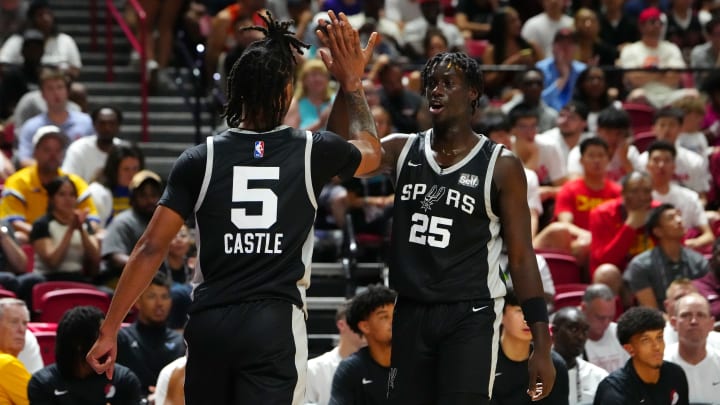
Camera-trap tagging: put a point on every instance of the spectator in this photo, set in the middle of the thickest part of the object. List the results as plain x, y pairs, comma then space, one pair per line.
474, 17
531, 85
14, 317
310, 106
362, 377
618, 230
70, 380
321, 369
110, 190
127, 227
86, 156
54, 88
650, 273
657, 89
616, 27
402, 11
542, 27
678, 289
148, 345
160, 16
32, 103
30, 355
602, 347
691, 169
18, 80
691, 135
560, 70
178, 267
570, 129
707, 54
592, 89
507, 47
25, 197
570, 331
167, 391
614, 129
645, 377
408, 110
711, 122
709, 284
415, 30
12, 17
700, 363
13, 260
661, 166
683, 27
373, 19
511, 371
60, 49
592, 49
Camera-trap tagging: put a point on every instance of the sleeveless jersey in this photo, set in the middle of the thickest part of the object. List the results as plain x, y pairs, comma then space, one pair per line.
445, 236
254, 212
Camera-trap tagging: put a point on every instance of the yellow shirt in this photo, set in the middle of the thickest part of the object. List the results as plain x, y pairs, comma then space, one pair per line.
24, 197
14, 380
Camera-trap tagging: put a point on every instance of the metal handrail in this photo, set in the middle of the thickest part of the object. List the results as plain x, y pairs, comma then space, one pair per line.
137, 44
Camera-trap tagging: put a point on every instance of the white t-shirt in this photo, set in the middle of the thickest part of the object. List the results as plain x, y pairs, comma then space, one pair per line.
30, 355
533, 191
553, 136
402, 10
590, 376
703, 378
691, 169
606, 353
161, 387
103, 199
614, 169
84, 158
320, 372
59, 50
695, 141
541, 30
550, 161
687, 202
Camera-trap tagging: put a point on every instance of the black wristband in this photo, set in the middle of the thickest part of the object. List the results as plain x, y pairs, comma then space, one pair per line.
535, 310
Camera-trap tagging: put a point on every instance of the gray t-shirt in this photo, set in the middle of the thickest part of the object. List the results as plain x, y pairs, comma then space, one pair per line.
122, 234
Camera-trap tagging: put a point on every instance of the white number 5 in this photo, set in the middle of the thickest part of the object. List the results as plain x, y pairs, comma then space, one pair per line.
241, 193
436, 235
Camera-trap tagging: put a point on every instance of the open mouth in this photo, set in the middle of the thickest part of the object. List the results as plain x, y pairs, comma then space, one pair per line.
436, 107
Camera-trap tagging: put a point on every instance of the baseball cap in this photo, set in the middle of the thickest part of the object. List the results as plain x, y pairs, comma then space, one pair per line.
49, 131
141, 177
565, 33
650, 13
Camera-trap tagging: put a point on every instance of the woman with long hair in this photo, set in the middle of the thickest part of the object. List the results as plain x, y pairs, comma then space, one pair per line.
591, 88
110, 190
310, 106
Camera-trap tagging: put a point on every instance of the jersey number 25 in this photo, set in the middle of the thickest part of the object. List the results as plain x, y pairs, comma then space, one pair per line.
432, 231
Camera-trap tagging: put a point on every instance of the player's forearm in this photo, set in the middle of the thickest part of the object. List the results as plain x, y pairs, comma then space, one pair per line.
338, 119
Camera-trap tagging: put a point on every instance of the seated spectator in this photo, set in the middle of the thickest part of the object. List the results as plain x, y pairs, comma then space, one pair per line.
511, 371
683, 27
691, 135
169, 389
408, 110
531, 86
711, 123
614, 129
592, 49
178, 267
507, 47
13, 260
321, 369
661, 166
60, 49
651, 51
707, 54
542, 27
709, 284
602, 347
570, 129
700, 363
54, 88
15, 81
148, 345
86, 156
14, 317
616, 27
362, 377
30, 355
12, 18
678, 289
109, 189
650, 273
645, 377
63, 240
474, 17
691, 169
31, 104
560, 70
592, 89
570, 331
127, 227
619, 232
70, 380
310, 106
414, 31
25, 197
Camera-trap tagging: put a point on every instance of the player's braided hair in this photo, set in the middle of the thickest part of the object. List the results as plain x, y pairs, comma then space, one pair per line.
461, 61
257, 80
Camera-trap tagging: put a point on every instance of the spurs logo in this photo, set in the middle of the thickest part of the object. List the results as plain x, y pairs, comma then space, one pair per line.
432, 197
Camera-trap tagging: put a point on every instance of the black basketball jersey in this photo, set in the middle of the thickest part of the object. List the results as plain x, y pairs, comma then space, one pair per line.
446, 236
254, 210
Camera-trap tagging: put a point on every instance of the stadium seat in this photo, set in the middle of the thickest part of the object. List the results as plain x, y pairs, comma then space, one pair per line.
42, 326
568, 299
476, 47
563, 268
53, 304
570, 287
643, 140
641, 116
43, 288
46, 341
7, 294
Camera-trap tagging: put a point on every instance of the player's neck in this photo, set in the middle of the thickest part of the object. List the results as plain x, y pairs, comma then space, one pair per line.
648, 375
515, 349
380, 353
693, 354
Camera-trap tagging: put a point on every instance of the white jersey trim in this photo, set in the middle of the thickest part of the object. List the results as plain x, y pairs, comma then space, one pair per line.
403, 155
308, 169
457, 166
499, 304
488, 182
299, 332
208, 172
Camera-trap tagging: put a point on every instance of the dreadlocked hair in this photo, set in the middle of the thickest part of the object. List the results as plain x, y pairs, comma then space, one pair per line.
462, 62
257, 80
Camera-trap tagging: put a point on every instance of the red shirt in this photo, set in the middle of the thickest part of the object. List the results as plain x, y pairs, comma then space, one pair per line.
612, 241
578, 199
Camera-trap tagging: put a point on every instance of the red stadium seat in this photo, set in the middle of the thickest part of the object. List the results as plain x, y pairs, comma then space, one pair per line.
46, 340
563, 268
43, 288
568, 299
570, 287
42, 327
641, 116
53, 304
7, 294
643, 140
476, 47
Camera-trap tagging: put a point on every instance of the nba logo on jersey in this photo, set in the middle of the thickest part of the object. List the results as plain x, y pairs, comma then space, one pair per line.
259, 150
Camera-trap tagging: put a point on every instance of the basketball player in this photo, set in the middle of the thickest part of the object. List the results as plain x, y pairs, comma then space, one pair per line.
458, 198
252, 191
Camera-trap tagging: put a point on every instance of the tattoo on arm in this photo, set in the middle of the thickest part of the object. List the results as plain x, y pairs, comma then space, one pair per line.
359, 115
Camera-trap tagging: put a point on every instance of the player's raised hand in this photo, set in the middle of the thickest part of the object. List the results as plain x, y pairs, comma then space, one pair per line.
346, 59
